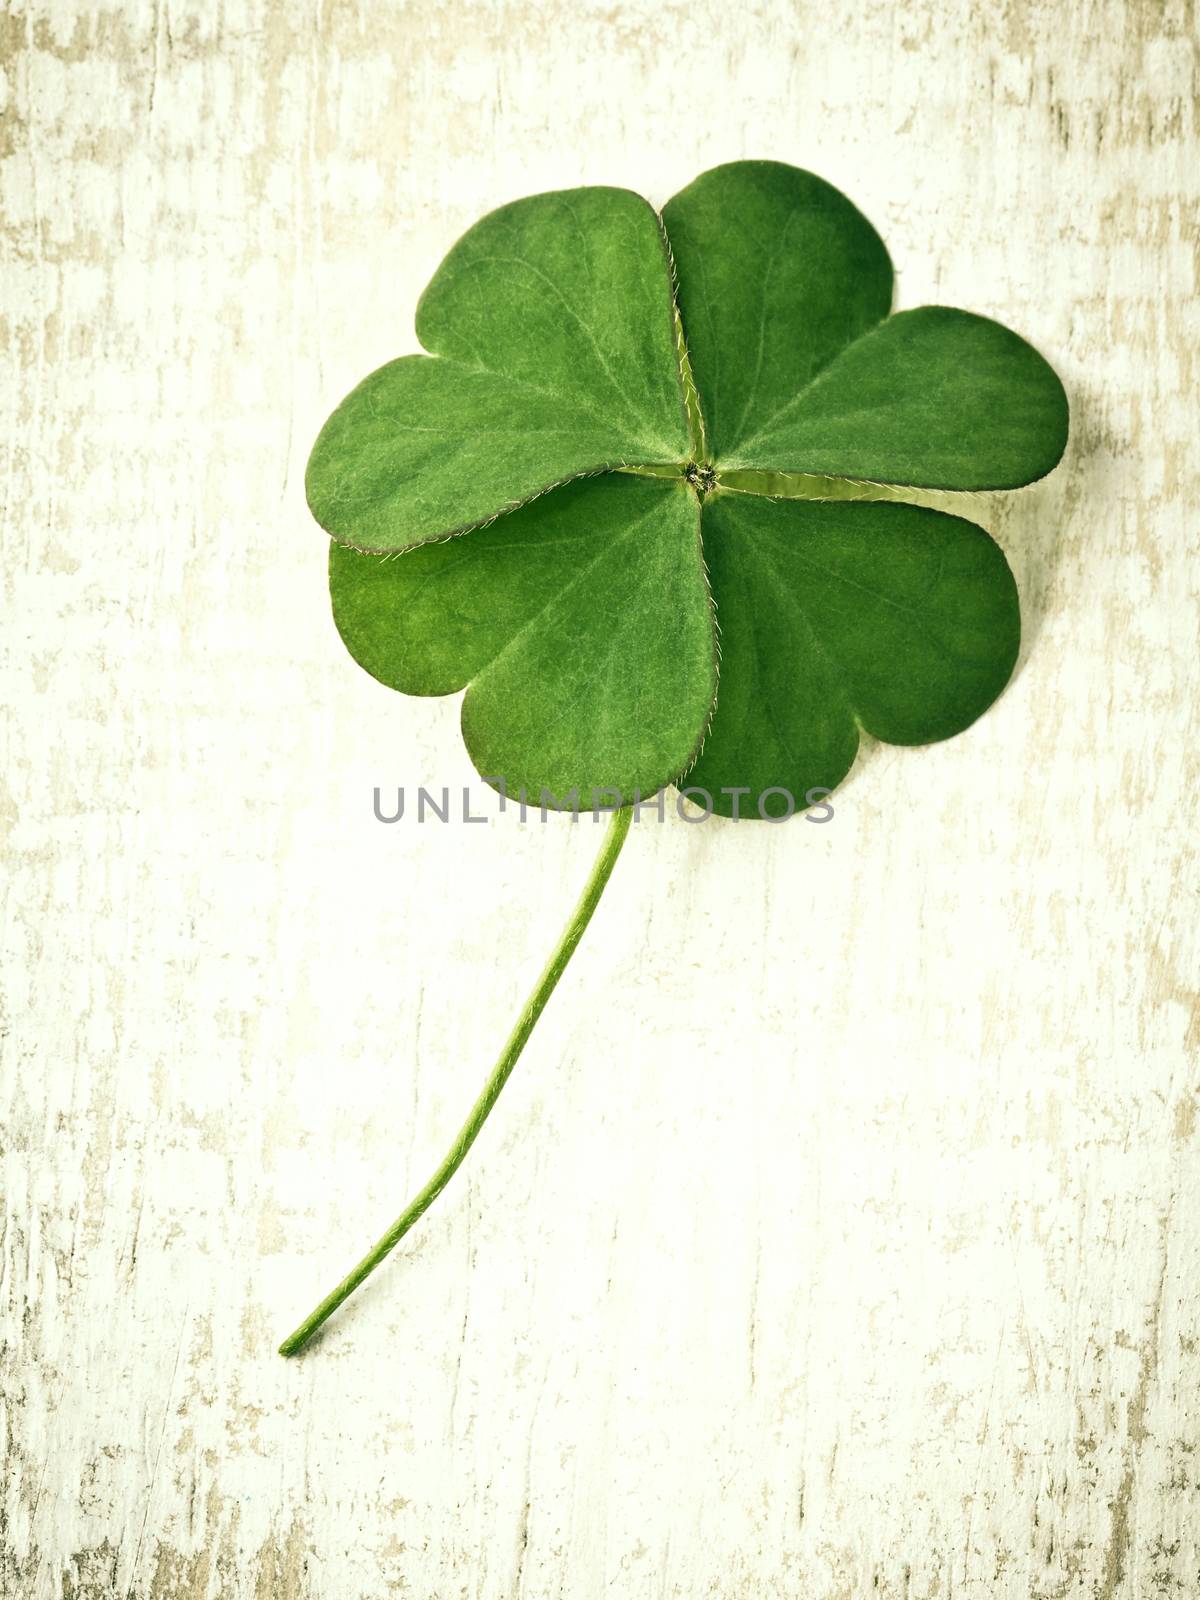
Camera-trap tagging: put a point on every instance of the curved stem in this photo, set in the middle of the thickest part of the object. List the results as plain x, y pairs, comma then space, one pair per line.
469, 1132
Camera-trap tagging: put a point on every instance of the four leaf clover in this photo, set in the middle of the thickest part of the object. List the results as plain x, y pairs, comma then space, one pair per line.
640, 501
639, 498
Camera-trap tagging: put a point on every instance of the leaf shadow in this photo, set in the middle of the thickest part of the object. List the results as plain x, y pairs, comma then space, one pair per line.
1038, 528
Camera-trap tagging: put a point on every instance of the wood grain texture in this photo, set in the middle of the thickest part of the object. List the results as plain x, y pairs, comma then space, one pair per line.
838, 1236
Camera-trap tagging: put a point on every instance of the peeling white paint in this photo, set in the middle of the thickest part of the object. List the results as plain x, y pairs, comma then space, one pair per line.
838, 1235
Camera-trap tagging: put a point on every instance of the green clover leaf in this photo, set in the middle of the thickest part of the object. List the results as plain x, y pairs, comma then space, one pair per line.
642, 501
633, 517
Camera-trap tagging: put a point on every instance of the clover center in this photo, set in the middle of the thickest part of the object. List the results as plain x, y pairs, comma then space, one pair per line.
701, 476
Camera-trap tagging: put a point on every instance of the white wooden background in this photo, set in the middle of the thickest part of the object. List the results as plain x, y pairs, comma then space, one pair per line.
838, 1236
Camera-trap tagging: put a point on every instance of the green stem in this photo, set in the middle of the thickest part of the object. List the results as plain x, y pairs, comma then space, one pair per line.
469, 1132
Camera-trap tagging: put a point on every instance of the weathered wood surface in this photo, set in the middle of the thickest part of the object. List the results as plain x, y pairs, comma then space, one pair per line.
838, 1235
